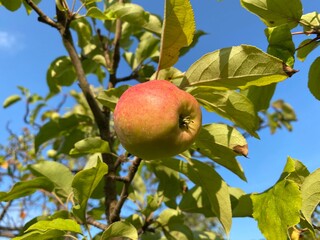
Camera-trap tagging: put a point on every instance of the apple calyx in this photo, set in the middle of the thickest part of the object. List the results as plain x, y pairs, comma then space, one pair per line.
184, 122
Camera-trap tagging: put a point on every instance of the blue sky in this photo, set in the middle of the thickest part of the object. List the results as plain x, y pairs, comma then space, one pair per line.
28, 47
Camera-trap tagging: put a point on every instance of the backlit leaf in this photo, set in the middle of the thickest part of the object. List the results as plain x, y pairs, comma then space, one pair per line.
120, 229
25, 188
310, 190
212, 184
90, 145
57, 173
310, 21
228, 104
178, 31
217, 141
236, 67
277, 209
11, 100
84, 183
314, 78
275, 12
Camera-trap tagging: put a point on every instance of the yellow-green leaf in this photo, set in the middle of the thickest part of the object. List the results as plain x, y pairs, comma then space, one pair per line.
178, 31
236, 67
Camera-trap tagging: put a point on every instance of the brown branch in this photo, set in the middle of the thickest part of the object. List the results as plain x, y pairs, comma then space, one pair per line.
96, 224
115, 216
42, 17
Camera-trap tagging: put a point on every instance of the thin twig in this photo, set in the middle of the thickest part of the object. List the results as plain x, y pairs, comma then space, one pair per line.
5, 209
96, 224
115, 216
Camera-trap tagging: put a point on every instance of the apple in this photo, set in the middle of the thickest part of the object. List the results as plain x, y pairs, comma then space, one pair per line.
156, 120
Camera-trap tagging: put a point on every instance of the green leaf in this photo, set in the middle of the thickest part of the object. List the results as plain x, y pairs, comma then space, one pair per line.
56, 224
120, 229
178, 31
177, 231
170, 215
84, 31
228, 104
169, 191
58, 126
277, 209
172, 74
39, 235
11, 5
212, 184
147, 47
196, 37
294, 170
306, 47
195, 200
83, 184
110, 97
260, 96
90, 145
281, 44
60, 73
274, 12
128, 12
217, 141
242, 206
314, 78
204, 235
310, 21
11, 100
310, 191
26, 188
95, 12
57, 173
236, 67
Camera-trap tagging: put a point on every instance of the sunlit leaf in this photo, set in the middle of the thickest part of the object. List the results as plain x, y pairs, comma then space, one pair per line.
217, 141
84, 31
27, 7
56, 224
314, 78
84, 184
90, 145
310, 21
11, 100
236, 67
294, 170
178, 31
25, 188
57, 173
120, 229
310, 190
228, 104
110, 97
275, 12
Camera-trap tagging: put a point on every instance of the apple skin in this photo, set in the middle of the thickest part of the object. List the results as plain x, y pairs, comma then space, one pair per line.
156, 120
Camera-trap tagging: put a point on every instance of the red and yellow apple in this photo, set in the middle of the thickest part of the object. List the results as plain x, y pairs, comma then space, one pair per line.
156, 119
